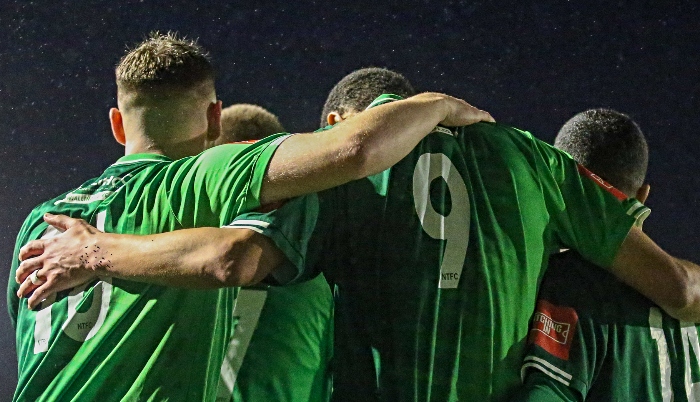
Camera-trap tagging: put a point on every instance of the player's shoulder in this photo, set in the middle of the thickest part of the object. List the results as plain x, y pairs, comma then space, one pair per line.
235, 152
505, 139
499, 130
34, 221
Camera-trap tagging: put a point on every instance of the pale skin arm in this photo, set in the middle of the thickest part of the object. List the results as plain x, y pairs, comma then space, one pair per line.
367, 144
201, 258
364, 145
212, 257
670, 282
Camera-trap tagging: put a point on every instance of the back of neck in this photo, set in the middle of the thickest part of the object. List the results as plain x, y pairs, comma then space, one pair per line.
143, 144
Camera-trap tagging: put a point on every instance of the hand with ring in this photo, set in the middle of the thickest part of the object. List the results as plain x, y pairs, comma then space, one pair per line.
34, 277
54, 264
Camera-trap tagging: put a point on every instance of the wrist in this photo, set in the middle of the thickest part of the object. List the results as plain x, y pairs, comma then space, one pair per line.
438, 102
101, 261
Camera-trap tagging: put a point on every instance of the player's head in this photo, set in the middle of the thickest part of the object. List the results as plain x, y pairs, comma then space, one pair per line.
166, 96
245, 122
610, 144
358, 89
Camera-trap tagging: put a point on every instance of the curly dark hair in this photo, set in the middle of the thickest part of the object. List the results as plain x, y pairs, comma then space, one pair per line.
608, 143
358, 89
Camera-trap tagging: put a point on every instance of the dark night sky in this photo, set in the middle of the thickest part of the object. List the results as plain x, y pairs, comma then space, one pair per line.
532, 64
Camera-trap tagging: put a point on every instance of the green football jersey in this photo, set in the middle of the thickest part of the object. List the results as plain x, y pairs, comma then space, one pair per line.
595, 338
120, 340
437, 260
282, 344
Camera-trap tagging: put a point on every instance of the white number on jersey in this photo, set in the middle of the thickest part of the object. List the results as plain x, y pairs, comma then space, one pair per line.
454, 228
249, 306
689, 333
79, 326
690, 345
657, 333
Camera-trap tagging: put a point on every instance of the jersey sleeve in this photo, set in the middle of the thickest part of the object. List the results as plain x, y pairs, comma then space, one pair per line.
562, 347
12, 286
565, 344
212, 188
297, 229
589, 215
539, 387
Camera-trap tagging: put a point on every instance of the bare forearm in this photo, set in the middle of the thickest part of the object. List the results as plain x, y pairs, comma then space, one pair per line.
363, 145
193, 258
689, 310
672, 283
384, 135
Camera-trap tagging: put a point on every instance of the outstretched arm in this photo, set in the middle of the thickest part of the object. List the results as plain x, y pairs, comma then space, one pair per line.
364, 145
672, 283
202, 258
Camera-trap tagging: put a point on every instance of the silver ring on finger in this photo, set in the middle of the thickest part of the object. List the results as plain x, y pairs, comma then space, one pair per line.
34, 277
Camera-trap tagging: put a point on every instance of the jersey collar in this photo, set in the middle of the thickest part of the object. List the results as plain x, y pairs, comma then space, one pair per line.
144, 157
382, 99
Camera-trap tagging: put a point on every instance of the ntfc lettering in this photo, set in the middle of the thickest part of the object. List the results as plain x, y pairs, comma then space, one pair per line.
85, 325
553, 328
450, 276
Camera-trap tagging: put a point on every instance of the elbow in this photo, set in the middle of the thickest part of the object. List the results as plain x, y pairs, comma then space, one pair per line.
242, 260
355, 158
232, 274
358, 157
237, 263
235, 272
684, 301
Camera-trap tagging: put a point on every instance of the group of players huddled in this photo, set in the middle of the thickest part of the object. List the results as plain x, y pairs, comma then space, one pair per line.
396, 254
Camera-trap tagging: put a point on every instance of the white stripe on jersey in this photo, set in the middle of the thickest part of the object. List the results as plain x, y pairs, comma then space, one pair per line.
279, 140
250, 222
138, 161
547, 368
640, 212
253, 228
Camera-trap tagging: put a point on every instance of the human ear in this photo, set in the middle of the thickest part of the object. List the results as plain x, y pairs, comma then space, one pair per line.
214, 121
334, 118
117, 123
643, 193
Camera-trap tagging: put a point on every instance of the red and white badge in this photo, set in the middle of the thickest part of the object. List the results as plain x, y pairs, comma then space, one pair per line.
553, 328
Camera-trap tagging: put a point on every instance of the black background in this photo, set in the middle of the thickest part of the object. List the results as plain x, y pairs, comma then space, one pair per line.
532, 64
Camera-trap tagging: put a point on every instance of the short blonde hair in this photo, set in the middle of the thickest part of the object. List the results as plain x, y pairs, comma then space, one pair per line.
164, 61
244, 122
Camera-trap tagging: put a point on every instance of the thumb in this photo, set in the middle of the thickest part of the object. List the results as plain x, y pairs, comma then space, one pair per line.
61, 222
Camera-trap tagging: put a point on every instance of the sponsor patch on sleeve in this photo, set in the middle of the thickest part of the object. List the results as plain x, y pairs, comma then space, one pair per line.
553, 328
602, 183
